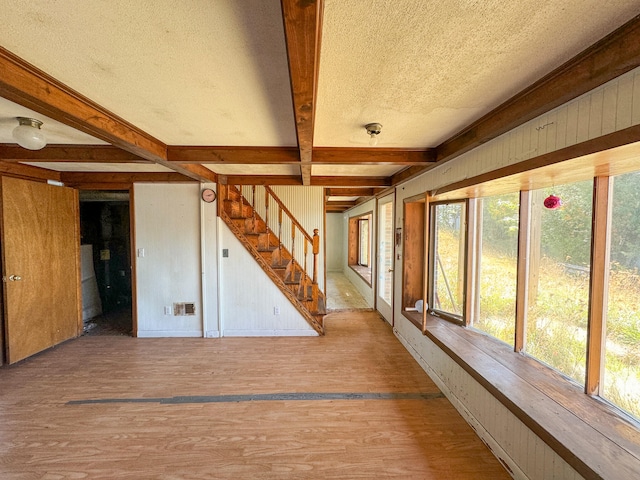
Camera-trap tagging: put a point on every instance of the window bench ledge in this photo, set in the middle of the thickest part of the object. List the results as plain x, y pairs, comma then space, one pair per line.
590, 435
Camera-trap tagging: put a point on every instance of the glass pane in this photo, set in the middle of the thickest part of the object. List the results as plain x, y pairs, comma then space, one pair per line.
449, 258
558, 295
385, 262
495, 311
364, 242
622, 348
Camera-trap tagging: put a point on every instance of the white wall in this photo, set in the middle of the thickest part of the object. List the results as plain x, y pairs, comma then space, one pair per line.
249, 296
367, 291
167, 228
183, 240
334, 240
611, 107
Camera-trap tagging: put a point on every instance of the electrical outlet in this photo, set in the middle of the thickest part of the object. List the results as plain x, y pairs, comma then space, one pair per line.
167, 310
276, 310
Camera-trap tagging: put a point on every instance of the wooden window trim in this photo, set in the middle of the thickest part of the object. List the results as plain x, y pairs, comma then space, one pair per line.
599, 282
408, 250
460, 320
353, 245
592, 436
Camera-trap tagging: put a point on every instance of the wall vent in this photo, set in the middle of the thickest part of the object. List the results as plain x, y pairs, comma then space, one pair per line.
182, 308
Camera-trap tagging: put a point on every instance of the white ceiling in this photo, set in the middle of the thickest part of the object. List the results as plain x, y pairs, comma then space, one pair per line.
197, 72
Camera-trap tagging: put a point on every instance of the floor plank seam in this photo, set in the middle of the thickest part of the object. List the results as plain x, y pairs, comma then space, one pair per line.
263, 398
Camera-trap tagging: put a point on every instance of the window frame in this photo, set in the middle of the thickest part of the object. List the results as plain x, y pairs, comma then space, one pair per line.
466, 267
353, 246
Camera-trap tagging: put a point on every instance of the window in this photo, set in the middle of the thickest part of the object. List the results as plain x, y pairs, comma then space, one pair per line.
363, 241
360, 245
448, 246
496, 263
621, 374
558, 278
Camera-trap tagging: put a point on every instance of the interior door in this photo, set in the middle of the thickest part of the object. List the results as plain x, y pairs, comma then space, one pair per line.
384, 285
40, 255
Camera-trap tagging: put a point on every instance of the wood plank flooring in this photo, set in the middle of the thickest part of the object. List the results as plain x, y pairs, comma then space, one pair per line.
49, 430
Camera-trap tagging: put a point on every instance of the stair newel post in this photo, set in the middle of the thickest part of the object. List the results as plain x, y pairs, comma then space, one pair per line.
315, 290
316, 251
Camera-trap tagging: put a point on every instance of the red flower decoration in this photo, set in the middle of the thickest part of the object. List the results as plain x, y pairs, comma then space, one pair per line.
552, 202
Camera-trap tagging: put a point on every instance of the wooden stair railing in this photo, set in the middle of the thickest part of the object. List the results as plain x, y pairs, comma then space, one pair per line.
287, 267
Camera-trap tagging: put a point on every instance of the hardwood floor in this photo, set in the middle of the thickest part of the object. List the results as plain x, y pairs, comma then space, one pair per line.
189, 409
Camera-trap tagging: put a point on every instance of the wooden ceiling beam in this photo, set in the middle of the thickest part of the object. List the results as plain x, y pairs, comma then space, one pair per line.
329, 209
233, 155
69, 153
350, 181
351, 192
263, 180
303, 28
28, 171
341, 203
26, 85
78, 179
372, 156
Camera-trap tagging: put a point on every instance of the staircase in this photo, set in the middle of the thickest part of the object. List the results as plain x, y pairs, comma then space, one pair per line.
286, 267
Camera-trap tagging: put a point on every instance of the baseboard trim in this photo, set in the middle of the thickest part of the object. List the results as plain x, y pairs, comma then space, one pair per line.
169, 333
270, 333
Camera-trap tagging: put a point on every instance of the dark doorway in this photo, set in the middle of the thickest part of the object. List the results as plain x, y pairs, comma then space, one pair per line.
106, 272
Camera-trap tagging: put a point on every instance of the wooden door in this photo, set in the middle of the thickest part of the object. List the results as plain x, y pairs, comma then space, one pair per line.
40, 266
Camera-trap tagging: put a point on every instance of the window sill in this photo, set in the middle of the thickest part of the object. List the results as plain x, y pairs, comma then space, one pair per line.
414, 317
591, 436
363, 272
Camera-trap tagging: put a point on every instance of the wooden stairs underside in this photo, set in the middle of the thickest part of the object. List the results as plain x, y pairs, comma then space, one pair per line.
300, 288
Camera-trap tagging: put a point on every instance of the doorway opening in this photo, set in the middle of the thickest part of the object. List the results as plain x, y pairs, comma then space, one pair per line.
105, 235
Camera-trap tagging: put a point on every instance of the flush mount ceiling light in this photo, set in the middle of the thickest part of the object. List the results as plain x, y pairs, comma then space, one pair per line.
373, 130
28, 134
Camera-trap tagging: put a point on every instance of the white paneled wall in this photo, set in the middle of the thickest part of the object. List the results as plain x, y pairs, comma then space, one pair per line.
334, 238
609, 108
168, 262
249, 298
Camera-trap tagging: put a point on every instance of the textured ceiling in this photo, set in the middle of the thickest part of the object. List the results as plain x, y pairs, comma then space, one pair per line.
426, 69
188, 72
196, 72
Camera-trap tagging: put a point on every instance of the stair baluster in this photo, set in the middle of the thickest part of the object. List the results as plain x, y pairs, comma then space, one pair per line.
253, 205
266, 210
279, 234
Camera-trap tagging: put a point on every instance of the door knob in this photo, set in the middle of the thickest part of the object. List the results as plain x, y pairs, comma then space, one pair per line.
15, 278
390, 270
